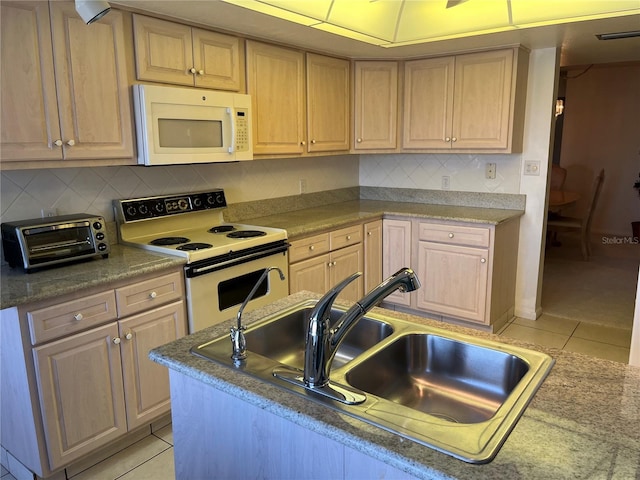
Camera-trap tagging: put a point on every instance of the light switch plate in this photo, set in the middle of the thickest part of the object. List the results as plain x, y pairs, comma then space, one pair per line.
532, 167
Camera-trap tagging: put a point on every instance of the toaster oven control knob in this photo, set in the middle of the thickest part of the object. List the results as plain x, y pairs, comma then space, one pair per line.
102, 247
100, 236
97, 225
77, 317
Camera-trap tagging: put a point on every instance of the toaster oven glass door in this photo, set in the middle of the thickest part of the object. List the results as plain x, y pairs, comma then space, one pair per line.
48, 243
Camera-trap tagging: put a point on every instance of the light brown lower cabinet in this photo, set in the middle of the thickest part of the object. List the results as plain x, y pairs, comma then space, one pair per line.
319, 262
467, 271
88, 379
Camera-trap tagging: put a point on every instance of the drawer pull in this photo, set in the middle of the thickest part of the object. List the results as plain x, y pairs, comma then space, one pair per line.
483, 260
116, 341
348, 237
128, 336
78, 316
153, 295
451, 235
311, 248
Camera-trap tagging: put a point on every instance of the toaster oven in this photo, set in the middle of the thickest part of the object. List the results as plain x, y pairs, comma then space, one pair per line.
44, 242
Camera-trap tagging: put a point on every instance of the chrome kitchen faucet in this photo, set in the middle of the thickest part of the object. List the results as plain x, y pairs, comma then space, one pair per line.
238, 340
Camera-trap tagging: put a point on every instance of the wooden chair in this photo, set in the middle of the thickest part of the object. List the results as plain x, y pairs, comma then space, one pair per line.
582, 224
558, 175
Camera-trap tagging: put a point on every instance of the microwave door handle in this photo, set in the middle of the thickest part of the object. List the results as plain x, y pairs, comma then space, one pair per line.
232, 120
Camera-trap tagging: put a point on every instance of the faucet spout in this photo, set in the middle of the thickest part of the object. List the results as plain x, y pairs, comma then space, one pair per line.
238, 340
322, 341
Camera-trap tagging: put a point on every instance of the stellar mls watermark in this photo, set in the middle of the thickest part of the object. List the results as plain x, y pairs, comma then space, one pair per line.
620, 240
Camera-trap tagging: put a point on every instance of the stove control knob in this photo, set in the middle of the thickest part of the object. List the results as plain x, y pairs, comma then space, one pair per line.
220, 199
197, 202
143, 209
158, 207
131, 211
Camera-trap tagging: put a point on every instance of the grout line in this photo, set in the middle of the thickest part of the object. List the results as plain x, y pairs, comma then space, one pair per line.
147, 460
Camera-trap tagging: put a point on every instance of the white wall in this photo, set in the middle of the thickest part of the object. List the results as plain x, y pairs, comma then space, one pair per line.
24, 193
602, 130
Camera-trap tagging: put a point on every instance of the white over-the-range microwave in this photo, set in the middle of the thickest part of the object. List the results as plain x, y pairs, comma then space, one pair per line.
176, 126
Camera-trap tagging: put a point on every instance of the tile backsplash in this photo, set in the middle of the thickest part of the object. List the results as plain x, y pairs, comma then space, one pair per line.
25, 193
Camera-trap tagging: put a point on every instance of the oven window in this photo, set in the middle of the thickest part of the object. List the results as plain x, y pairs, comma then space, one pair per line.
233, 292
181, 133
48, 244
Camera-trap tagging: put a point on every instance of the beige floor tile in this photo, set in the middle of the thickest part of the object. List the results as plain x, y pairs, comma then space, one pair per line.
165, 433
598, 349
160, 467
563, 326
603, 334
126, 460
535, 336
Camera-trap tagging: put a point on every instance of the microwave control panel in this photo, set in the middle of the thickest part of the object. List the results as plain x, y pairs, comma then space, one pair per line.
242, 129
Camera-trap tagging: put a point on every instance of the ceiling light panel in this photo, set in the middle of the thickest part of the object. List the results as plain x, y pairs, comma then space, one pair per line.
377, 19
553, 11
318, 9
431, 19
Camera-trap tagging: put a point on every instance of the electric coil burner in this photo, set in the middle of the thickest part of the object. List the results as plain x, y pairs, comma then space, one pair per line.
223, 261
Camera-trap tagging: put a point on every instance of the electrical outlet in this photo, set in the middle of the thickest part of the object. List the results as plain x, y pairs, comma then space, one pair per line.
490, 171
303, 185
48, 212
446, 182
532, 167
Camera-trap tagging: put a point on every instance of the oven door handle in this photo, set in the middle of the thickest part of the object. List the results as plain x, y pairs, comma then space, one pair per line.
192, 271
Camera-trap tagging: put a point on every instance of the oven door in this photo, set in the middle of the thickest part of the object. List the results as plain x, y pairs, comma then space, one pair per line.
215, 294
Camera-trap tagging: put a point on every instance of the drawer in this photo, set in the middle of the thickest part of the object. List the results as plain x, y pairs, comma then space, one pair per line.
71, 317
455, 234
308, 247
346, 236
148, 294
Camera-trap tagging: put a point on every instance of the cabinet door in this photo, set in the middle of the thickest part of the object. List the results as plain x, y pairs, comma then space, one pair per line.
29, 122
164, 52
91, 81
328, 104
428, 103
454, 280
311, 275
372, 254
376, 105
396, 247
482, 104
146, 383
346, 262
81, 396
275, 82
216, 59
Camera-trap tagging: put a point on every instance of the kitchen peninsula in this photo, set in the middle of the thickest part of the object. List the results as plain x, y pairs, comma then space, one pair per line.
582, 423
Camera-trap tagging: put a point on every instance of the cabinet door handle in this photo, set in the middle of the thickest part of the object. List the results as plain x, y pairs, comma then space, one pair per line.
483, 260
313, 141
451, 235
454, 139
192, 70
128, 336
77, 317
71, 142
302, 142
116, 341
368, 234
200, 72
58, 143
153, 295
447, 139
359, 140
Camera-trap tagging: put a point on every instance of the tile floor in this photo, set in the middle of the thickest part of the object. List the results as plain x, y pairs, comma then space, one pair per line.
606, 336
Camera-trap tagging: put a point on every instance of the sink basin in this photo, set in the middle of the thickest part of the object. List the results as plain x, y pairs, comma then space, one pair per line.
449, 379
458, 394
283, 338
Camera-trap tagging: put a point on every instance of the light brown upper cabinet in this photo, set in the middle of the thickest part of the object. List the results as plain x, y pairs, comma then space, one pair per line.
375, 105
275, 81
328, 108
80, 112
467, 102
170, 52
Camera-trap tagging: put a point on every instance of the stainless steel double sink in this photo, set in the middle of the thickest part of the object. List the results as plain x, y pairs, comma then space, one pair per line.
458, 394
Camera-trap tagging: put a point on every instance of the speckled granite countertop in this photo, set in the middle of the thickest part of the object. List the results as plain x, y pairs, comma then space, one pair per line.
123, 262
315, 219
582, 423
